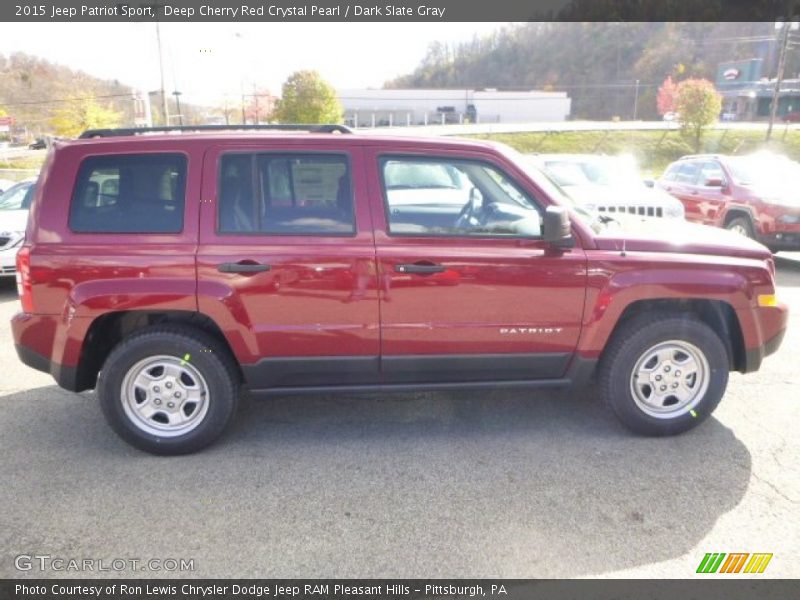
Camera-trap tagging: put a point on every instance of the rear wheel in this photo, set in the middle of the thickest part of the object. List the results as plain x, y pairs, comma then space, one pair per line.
168, 389
742, 226
664, 374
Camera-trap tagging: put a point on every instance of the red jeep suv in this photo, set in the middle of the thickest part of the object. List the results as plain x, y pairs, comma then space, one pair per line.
170, 270
755, 196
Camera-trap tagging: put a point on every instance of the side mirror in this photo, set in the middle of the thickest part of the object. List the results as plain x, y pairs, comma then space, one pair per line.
714, 182
557, 230
649, 182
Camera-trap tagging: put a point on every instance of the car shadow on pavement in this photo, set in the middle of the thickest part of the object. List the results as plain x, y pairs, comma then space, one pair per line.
8, 289
787, 271
459, 484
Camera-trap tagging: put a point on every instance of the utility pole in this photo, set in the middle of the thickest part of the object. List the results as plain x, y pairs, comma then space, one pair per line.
255, 100
161, 70
785, 28
177, 95
636, 100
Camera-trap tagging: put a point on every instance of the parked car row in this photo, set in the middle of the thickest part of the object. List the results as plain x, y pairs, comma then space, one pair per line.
752, 195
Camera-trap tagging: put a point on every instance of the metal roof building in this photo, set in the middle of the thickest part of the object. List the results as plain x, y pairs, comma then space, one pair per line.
405, 107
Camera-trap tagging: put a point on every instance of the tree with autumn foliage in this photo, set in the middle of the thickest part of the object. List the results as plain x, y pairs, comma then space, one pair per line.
666, 96
698, 105
307, 98
81, 114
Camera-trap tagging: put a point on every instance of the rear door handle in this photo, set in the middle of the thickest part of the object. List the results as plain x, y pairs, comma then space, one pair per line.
242, 267
419, 268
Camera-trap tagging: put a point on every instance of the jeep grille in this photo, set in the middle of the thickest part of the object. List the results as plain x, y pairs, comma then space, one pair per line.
643, 211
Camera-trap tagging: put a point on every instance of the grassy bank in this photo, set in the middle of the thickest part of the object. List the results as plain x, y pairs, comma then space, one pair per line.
17, 169
653, 150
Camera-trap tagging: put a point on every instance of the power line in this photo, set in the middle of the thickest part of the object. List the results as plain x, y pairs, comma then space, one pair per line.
60, 100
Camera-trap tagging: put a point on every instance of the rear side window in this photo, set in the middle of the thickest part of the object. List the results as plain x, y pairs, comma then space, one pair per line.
134, 193
285, 194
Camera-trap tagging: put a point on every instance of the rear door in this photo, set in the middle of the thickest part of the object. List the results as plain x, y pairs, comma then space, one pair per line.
469, 291
286, 262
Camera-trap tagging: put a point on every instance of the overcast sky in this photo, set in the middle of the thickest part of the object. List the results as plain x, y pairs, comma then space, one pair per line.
205, 60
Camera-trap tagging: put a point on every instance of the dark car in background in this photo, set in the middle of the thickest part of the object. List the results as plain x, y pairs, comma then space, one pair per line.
755, 195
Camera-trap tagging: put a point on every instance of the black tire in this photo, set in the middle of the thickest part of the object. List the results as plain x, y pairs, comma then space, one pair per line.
631, 342
741, 224
195, 350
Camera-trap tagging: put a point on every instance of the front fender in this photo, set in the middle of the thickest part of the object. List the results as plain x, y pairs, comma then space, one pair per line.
612, 290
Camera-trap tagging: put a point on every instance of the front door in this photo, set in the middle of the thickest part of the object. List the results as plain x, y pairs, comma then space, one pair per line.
712, 197
469, 291
286, 263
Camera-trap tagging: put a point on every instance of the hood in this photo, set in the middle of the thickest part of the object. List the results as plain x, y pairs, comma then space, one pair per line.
594, 196
13, 220
641, 234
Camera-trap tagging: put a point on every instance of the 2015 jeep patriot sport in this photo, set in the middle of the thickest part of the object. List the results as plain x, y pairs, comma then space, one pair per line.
167, 271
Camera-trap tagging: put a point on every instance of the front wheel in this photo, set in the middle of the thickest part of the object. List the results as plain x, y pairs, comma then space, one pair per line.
664, 374
742, 226
168, 389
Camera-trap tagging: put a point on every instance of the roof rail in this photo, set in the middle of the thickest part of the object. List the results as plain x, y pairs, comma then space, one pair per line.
94, 133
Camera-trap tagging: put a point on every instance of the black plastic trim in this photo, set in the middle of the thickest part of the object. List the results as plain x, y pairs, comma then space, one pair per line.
754, 356
434, 368
415, 387
66, 377
312, 371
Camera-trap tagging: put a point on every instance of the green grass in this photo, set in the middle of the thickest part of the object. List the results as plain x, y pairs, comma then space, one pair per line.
29, 162
653, 150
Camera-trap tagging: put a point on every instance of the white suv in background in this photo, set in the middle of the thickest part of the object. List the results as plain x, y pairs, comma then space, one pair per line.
607, 184
14, 205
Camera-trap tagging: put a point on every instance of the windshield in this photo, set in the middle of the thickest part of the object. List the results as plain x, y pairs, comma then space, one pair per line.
613, 172
17, 198
420, 175
551, 187
763, 171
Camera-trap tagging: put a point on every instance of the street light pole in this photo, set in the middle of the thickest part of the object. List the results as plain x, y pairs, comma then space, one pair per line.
636, 100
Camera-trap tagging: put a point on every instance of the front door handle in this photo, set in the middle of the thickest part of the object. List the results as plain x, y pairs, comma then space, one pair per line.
242, 267
423, 269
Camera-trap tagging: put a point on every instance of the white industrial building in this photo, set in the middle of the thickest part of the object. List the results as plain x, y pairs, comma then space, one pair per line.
390, 107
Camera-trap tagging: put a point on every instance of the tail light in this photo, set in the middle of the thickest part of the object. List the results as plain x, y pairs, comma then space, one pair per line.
24, 284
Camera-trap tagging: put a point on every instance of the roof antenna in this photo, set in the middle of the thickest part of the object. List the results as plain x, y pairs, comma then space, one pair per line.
623, 253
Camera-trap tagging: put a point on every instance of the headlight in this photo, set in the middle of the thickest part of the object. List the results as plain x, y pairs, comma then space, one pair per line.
675, 211
16, 239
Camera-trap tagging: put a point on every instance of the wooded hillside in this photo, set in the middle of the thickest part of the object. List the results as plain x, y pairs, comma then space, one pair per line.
596, 63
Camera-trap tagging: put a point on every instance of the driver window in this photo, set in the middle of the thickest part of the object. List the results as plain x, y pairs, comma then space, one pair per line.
451, 197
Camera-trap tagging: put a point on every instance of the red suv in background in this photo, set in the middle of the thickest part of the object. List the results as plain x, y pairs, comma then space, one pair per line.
756, 196
170, 271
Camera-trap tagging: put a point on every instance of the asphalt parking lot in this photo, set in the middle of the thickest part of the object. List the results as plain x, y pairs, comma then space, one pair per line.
499, 484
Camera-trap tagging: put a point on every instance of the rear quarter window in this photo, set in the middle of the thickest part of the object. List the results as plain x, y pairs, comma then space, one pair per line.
133, 193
